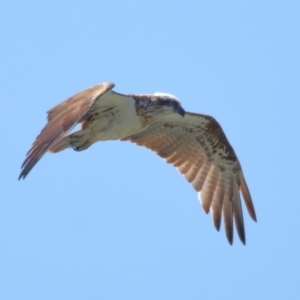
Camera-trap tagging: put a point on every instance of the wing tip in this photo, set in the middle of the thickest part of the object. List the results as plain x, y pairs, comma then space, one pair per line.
22, 176
217, 222
229, 237
247, 198
54, 131
230, 241
242, 237
26, 168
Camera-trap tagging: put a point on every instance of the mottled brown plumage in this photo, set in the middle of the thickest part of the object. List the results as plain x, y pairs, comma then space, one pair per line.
195, 144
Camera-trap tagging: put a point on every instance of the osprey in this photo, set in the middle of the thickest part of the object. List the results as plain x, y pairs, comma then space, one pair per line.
194, 143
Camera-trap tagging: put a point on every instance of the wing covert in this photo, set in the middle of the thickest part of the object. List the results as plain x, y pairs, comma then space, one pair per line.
198, 147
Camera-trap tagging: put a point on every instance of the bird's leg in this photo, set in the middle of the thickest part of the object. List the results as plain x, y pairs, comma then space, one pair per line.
78, 146
81, 140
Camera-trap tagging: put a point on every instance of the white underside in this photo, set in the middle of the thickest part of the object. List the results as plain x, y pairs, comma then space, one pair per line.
116, 119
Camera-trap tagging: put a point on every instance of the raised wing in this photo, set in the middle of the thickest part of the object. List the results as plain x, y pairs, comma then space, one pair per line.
198, 147
61, 119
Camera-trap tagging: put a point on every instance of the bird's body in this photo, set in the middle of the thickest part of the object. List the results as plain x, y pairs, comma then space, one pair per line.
113, 119
194, 143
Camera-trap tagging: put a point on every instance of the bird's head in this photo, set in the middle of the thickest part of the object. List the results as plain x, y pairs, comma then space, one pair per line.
166, 104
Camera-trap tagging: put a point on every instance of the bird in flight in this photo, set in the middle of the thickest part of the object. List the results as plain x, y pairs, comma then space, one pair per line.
194, 143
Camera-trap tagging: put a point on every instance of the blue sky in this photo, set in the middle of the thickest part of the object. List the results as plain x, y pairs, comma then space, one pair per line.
116, 221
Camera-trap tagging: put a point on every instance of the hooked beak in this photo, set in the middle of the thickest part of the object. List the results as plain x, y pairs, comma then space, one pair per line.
180, 111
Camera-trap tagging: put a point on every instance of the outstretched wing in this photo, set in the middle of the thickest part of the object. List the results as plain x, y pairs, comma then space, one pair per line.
61, 119
198, 147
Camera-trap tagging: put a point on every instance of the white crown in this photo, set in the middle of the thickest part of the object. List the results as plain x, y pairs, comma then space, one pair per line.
166, 96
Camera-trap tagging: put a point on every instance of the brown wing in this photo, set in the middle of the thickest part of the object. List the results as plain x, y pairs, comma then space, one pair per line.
61, 119
198, 147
